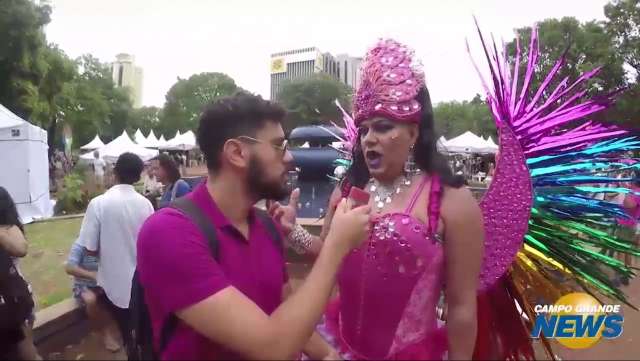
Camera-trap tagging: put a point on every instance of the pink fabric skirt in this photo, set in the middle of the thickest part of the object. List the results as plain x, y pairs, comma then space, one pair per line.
432, 347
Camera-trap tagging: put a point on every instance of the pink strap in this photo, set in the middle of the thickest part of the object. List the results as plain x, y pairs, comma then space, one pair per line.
416, 194
434, 204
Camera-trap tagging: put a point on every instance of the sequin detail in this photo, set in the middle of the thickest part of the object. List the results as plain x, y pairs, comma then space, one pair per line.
505, 209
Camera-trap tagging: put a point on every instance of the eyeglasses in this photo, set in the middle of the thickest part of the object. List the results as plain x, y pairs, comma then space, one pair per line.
284, 147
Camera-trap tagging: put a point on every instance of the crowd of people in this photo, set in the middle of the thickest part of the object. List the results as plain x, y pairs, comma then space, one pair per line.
473, 167
208, 267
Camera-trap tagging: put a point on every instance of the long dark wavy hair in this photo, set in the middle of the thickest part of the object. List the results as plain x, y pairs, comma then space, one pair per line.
8, 212
425, 153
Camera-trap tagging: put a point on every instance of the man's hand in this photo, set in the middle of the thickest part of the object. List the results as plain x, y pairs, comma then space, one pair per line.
285, 215
332, 356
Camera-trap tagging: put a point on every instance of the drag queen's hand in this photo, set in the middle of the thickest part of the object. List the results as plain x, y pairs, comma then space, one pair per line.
285, 215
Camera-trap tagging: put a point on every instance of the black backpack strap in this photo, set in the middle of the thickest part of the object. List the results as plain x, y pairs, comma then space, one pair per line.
195, 214
168, 328
268, 222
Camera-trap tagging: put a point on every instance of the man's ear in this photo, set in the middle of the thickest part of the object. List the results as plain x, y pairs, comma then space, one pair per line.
235, 154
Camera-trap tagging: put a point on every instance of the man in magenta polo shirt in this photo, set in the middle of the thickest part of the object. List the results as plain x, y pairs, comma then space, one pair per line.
233, 308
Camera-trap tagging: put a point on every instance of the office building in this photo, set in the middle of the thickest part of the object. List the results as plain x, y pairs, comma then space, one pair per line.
349, 70
299, 64
127, 75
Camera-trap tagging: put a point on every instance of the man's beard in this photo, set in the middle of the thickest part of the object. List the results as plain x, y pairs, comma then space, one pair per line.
260, 186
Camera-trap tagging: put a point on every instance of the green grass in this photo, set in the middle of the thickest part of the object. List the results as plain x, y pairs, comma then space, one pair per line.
43, 267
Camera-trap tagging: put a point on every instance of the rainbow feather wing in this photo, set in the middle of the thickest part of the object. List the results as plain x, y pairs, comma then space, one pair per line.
562, 155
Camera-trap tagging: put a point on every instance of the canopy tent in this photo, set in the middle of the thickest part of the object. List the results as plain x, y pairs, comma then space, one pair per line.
441, 144
152, 141
139, 138
122, 144
162, 142
171, 143
492, 147
186, 141
25, 166
468, 143
94, 144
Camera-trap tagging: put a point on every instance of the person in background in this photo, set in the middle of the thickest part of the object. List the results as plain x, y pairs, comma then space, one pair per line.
83, 267
109, 229
166, 172
183, 163
98, 169
16, 336
151, 187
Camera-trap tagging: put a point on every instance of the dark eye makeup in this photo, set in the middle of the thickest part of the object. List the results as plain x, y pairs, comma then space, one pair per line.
380, 127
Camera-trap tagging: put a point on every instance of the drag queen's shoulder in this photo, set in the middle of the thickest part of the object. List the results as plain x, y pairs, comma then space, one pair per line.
459, 204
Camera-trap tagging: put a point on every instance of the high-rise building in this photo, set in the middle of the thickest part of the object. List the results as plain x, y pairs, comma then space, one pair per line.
349, 69
298, 64
127, 75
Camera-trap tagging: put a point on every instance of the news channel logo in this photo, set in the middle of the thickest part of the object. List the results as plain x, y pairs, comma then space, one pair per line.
578, 321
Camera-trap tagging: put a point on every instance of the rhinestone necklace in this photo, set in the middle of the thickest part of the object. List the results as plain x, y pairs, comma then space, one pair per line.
383, 195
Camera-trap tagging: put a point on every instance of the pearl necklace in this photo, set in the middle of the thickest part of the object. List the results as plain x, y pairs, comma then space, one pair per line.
383, 195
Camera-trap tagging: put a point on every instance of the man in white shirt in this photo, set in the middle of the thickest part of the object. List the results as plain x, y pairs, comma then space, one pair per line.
98, 169
110, 229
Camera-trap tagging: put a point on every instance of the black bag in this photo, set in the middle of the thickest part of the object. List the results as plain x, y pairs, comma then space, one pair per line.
16, 303
142, 346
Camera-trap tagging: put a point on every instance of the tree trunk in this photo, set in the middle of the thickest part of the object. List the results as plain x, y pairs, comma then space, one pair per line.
51, 135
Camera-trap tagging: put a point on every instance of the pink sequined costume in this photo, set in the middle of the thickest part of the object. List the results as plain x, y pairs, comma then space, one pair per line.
390, 286
550, 156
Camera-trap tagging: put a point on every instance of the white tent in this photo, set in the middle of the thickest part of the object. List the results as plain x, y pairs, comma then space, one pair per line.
186, 141
173, 142
441, 144
491, 147
152, 141
25, 166
162, 142
466, 143
139, 138
122, 144
94, 144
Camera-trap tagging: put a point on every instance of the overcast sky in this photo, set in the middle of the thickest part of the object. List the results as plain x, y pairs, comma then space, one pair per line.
171, 38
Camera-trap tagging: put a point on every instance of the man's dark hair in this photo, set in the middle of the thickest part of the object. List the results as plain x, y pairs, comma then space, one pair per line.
170, 167
128, 168
231, 117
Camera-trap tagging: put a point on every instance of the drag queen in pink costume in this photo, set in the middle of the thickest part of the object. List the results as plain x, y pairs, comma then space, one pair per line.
539, 217
427, 236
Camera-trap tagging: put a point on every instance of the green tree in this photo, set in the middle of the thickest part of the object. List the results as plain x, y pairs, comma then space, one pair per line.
454, 118
59, 71
187, 98
312, 100
145, 119
22, 48
623, 23
92, 104
588, 45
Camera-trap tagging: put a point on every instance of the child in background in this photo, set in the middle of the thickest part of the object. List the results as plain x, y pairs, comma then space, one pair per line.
83, 268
